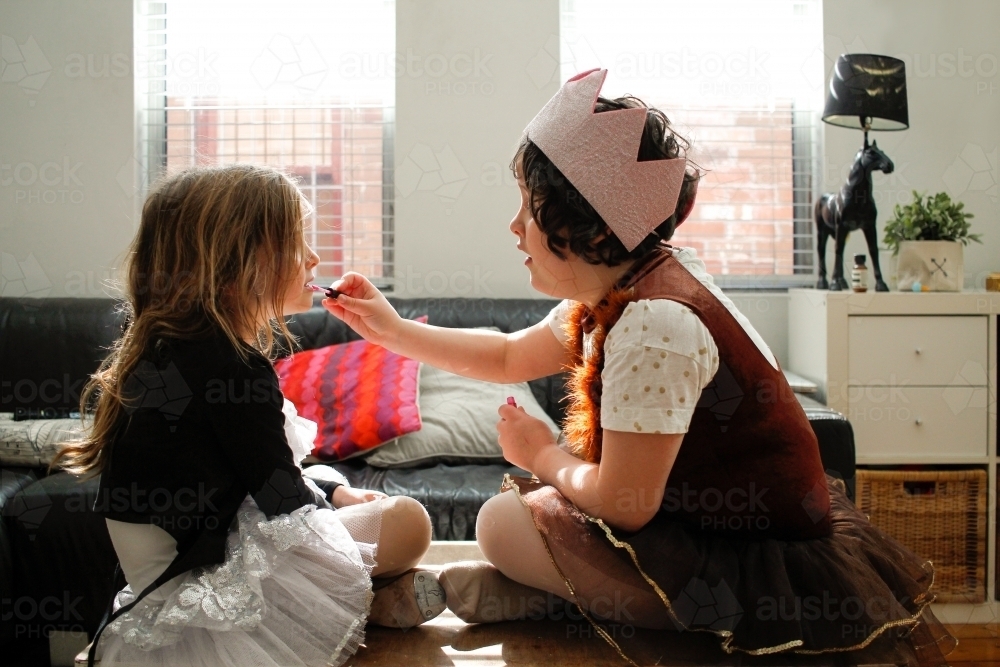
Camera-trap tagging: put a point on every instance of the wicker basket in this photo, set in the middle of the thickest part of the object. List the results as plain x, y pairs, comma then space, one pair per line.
940, 515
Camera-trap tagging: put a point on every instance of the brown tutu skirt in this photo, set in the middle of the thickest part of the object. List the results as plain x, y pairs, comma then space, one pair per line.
854, 597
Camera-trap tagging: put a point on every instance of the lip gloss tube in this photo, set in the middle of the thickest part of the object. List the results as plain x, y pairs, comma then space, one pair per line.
330, 292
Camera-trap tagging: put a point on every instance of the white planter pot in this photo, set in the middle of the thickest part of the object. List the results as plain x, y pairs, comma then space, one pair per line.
937, 265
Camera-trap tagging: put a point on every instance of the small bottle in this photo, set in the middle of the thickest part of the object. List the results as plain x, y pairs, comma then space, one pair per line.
859, 274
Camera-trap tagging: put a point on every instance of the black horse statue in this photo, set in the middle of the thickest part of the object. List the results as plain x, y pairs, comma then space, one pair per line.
851, 209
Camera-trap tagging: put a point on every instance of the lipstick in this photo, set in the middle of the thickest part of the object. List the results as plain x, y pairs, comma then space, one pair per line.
330, 292
511, 401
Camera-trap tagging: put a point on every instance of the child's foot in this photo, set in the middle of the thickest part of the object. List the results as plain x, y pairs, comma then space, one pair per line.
406, 601
477, 592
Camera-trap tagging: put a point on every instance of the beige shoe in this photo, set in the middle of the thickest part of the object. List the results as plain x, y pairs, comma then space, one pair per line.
477, 592
407, 601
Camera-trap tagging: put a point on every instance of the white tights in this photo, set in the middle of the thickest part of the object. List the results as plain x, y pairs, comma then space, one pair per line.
398, 524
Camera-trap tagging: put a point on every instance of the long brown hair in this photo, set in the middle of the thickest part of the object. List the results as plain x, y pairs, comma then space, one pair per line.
216, 250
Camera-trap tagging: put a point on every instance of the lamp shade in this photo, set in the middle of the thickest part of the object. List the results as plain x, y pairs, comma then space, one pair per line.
865, 85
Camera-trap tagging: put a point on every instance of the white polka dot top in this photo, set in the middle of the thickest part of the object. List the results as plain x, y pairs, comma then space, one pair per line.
657, 359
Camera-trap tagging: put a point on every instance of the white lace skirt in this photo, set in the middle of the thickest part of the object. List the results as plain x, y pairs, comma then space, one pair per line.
295, 590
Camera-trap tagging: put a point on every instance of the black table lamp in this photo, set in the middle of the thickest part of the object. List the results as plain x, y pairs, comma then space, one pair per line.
867, 92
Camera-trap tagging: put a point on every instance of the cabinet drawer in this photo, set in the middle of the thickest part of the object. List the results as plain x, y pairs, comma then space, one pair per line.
917, 350
910, 422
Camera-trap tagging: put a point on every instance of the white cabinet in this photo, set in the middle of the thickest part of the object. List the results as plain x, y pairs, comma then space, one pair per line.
910, 424
925, 350
916, 375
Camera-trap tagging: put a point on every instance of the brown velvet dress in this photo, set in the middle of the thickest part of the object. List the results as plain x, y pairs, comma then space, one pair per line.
754, 541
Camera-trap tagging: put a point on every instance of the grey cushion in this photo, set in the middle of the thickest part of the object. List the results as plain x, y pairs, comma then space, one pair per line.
33, 442
459, 422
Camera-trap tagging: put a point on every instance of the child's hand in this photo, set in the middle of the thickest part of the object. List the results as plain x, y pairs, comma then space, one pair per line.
522, 436
345, 495
363, 308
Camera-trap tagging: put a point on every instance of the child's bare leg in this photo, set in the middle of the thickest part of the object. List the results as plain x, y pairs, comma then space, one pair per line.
518, 582
508, 538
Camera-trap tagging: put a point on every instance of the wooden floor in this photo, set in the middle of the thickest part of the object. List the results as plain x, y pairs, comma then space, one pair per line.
448, 641
977, 644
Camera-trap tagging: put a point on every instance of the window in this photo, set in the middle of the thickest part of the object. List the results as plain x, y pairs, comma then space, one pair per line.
743, 82
303, 85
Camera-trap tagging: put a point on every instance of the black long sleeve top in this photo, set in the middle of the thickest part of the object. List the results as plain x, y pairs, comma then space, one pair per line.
205, 429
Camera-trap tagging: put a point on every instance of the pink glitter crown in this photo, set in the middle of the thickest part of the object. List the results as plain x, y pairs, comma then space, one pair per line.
598, 153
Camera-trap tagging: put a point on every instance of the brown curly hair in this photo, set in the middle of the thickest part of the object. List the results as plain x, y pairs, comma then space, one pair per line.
569, 221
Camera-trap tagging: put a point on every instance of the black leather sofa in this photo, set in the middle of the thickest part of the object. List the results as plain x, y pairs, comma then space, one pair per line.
56, 558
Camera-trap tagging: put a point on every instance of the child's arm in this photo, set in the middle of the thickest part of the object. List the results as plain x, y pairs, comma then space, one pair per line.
625, 489
476, 353
336, 487
493, 356
345, 495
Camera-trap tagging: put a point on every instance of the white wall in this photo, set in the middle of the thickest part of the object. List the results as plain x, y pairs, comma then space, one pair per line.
768, 313
952, 54
64, 217
457, 126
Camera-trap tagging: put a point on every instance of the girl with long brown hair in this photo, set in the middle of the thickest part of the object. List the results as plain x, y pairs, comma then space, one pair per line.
233, 554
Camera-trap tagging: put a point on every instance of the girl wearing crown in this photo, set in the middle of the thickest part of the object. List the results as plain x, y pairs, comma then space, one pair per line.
688, 493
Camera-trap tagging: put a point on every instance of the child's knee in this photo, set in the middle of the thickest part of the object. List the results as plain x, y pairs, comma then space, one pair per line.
493, 525
404, 515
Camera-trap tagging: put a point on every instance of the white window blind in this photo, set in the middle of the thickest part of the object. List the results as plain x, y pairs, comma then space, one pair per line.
742, 80
303, 85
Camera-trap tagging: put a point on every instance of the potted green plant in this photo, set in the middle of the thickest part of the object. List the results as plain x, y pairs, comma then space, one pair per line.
928, 235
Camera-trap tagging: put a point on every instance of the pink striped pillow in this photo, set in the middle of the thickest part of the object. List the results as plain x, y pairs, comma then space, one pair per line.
360, 395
